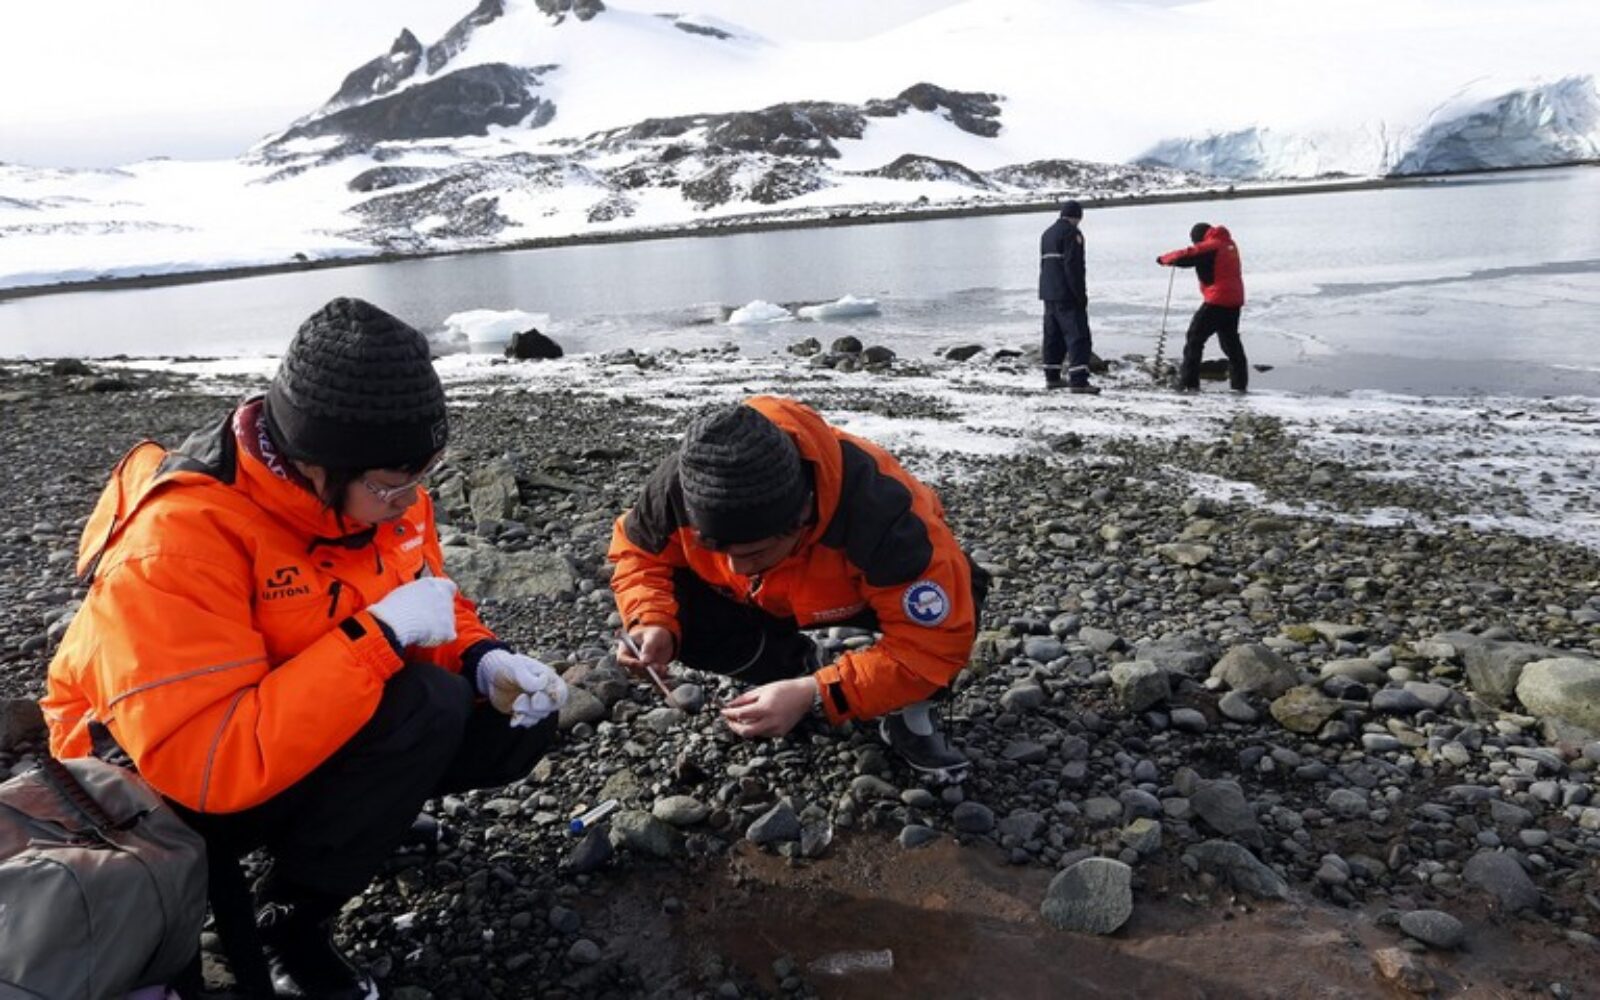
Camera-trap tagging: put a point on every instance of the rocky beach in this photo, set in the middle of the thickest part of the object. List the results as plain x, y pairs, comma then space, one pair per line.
1274, 695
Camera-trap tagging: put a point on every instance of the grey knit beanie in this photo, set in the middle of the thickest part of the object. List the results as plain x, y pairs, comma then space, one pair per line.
741, 475
357, 390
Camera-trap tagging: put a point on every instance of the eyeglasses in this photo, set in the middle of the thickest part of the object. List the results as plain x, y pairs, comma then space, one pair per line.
388, 494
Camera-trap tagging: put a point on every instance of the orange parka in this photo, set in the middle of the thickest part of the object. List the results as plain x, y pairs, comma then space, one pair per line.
223, 642
880, 544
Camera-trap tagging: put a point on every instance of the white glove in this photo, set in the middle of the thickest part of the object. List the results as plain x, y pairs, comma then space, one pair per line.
520, 686
420, 613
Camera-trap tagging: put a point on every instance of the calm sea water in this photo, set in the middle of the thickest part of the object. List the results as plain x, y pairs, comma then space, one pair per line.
1488, 284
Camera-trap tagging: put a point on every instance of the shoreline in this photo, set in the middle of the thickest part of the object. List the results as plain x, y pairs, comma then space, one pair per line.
837, 216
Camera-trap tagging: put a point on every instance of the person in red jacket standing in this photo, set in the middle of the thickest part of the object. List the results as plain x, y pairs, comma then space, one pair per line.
1215, 259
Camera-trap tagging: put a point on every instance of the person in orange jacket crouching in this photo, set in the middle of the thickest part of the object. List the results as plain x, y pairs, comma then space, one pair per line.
768, 520
270, 636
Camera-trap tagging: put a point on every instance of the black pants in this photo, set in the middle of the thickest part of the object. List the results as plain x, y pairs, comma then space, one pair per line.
1224, 322
1066, 337
330, 833
723, 636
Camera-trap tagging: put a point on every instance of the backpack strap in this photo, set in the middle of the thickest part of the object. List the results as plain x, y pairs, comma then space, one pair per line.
66, 785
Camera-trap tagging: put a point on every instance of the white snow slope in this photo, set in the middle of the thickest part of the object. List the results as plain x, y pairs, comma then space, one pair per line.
1269, 88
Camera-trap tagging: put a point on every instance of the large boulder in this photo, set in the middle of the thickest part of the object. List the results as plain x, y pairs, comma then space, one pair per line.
1094, 896
1187, 554
1566, 688
1255, 669
1237, 867
492, 491
1140, 685
1178, 654
1495, 665
482, 571
1224, 808
531, 345
582, 707
1304, 710
1499, 875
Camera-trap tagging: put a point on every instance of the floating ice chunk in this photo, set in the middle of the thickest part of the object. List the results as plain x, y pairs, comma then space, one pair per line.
759, 311
847, 307
490, 329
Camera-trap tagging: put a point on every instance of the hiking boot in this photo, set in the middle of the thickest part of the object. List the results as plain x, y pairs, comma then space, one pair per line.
926, 752
1084, 390
303, 960
1054, 383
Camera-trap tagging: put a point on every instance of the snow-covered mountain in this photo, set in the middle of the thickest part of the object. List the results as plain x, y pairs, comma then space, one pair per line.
543, 118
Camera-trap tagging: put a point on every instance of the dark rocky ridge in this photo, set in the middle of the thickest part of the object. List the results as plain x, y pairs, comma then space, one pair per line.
451, 195
381, 75
386, 72
762, 158
465, 102
914, 167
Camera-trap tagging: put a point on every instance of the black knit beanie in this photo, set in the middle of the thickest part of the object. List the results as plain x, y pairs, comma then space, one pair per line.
742, 477
1197, 232
356, 390
1071, 210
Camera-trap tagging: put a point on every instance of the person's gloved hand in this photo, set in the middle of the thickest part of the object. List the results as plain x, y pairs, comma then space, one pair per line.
520, 686
420, 613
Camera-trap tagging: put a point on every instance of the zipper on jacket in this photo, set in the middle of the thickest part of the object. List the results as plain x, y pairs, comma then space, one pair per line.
333, 597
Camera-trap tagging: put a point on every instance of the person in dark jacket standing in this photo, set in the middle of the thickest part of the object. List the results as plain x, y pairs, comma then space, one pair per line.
1215, 259
1066, 303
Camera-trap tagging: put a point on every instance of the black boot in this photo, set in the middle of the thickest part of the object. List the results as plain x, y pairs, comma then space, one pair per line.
304, 961
916, 734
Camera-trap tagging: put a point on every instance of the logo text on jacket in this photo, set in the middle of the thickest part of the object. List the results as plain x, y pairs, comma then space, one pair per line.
284, 582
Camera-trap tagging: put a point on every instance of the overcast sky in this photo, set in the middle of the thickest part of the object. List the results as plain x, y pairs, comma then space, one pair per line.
102, 82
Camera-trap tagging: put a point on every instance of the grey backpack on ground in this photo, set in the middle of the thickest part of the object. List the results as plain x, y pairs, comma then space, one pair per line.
102, 887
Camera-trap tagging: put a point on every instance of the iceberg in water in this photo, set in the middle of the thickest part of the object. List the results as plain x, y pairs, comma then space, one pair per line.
491, 329
757, 312
847, 307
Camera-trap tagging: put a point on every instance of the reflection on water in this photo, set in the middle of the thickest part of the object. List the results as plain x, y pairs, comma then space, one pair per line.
1486, 284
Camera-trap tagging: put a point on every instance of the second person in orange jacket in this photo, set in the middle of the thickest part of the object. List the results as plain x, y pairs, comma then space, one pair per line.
768, 520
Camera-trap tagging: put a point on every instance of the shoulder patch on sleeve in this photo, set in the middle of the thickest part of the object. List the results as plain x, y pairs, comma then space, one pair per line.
1079, 238
926, 603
